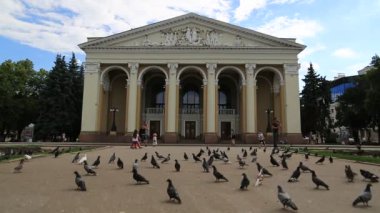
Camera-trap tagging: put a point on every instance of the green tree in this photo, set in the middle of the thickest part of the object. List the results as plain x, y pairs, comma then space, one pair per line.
20, 87
351, 111
60, 99
372, 101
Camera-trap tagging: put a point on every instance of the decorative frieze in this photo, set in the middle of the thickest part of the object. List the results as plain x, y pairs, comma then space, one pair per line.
91, 68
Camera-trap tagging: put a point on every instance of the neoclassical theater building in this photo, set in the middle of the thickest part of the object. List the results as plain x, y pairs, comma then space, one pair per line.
190, 78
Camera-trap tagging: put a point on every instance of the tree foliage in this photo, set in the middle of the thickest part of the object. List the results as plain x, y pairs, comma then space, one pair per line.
315, 104
372, 101
61, 100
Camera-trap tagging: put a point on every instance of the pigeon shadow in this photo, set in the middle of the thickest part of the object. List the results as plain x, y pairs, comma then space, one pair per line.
171, 202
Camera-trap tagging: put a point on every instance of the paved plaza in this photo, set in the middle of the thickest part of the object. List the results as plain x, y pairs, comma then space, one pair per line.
47, 184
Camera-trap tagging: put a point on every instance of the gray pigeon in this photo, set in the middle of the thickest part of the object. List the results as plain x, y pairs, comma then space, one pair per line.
177, 166
263, 170
154, 162
244, 182
349, 173
285, 199
318, 181
76, 158
19, 166
321, 160
166, 159
88, 169
364, 197
296, 174
80, 182
139, 178
218, 175
120, 163
172, 192
112, 158
205, 165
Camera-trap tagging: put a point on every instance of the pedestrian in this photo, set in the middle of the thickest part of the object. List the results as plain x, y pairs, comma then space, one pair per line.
135, 140
275, 129
154, 139
232, 137
261, 139
144, 133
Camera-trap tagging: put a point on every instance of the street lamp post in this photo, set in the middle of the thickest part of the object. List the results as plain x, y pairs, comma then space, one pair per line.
113, 110
269, 126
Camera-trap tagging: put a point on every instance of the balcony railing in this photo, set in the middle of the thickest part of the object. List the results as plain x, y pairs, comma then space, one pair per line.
227, 111
154, 110
191, 111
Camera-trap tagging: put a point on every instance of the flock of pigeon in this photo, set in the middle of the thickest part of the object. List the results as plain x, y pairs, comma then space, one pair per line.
218, 155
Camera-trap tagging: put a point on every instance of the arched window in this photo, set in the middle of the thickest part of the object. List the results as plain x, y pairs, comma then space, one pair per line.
222, 100
160, 100
191, 99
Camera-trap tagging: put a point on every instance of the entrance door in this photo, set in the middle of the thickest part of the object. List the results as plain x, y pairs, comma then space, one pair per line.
190, 129
225, 128
154, 128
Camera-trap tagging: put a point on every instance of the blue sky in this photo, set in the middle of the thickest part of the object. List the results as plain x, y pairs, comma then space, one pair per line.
341, 35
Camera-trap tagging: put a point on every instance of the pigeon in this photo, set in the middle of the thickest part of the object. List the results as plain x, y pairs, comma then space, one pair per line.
120, 163
331, 159
154, 163
254, 158
185, 156
196, 159
84, 158
96, 162
143, 159
303, 167
368, 175
283, 163
245, 154
349, 173
159, 156
177, 166
135, 165
76, 158
263, 170
55, 149
364, 197
19, 166
260, 178
307, 156
318, 181
200, 153
218, 175
273, 161
296, 174
166, 159
254, 152
139, 178
321, 160
56, 153
265, 149
88, 169
209, 152
238, 158
228, 148
112, 158
27, 157
205, 165
80, 182
172, 192
285, 199
242, 163
210, 161
244, 182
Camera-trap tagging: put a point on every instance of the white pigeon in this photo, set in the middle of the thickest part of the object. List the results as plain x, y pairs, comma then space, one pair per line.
260, 178
27, 157
84, 158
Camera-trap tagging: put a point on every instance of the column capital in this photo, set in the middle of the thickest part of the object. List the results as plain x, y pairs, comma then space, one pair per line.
211, 68
291, 69
172, 69
133, 67
250, 72
250, 68
91, 67
106, 82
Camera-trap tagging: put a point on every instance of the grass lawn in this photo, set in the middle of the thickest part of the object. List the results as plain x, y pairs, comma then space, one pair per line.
347, 156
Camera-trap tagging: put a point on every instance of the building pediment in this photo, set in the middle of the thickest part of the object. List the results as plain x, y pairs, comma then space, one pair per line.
190, 30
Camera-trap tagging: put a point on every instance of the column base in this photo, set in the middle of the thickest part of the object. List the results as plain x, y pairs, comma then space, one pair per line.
170, 137
103, 137
211, 138
292, 138
113, 133
249, 138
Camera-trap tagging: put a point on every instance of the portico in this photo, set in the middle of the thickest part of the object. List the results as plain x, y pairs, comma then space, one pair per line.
190, 78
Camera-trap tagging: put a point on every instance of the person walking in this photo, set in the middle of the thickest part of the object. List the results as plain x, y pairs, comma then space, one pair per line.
261, 139
155, 139
275, 129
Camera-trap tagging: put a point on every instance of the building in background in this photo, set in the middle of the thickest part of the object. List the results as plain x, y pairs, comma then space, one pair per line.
190, 78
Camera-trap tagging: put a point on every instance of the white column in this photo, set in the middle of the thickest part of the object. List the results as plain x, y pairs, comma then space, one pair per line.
132, 98
250, 97
90, 97
292, 101
172, 99
211, 90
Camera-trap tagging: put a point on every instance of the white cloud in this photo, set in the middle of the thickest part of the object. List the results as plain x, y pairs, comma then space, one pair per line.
246, 7
310, 50
345, 53
291, 28
60, 25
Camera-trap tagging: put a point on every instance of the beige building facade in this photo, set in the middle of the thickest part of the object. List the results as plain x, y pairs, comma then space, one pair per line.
190, 78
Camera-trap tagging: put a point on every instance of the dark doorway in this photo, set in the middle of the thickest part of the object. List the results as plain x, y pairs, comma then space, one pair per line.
190, 129
155, 128
226, 130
